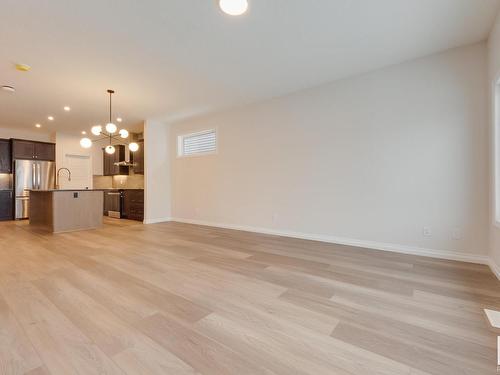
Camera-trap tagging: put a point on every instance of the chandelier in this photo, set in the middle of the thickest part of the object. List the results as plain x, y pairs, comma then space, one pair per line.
109, 133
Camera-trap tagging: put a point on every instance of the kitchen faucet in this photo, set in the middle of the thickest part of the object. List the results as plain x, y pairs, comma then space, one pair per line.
57, 176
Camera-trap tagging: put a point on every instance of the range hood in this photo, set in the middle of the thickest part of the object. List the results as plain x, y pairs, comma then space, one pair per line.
125, 164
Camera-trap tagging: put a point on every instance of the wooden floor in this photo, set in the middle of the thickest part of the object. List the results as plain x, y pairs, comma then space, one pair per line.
180, 299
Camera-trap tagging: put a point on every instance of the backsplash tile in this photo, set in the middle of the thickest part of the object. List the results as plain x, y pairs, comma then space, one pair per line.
128, 182
119, 182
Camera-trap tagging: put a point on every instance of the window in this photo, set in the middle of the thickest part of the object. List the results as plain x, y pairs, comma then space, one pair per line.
200, 143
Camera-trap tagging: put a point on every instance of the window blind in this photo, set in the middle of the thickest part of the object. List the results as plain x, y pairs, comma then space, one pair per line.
198, 143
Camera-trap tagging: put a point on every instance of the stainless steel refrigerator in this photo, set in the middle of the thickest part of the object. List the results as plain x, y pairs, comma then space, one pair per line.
30, 174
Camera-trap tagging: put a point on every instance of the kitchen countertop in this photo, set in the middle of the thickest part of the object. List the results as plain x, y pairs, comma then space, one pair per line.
57, 190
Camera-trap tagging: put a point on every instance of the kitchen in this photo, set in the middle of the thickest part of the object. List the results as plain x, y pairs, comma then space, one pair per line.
29, 168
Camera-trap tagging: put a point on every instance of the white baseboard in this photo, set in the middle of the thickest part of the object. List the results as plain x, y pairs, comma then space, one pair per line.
158, 220
395, 248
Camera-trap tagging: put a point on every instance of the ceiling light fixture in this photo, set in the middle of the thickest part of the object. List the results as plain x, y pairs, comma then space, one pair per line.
8, 89
111, 128
234, 7
38, 126
119, 119
50, 118
96, 130
133, 147
84, 132
86, 143
110, 149
67, 109
109, 133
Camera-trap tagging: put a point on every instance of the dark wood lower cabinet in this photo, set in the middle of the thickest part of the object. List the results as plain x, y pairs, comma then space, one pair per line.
133, 204
6, 203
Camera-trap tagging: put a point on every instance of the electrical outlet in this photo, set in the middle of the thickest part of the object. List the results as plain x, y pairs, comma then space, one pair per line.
456, 233
427, 231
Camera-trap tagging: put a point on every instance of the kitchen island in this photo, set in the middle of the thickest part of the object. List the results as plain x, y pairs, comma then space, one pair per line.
59, 211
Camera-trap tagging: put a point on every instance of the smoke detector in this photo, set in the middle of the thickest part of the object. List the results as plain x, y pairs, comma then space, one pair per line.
8, 88
23, 67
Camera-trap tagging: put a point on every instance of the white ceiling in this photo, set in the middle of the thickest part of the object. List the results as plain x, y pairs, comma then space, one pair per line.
171, 59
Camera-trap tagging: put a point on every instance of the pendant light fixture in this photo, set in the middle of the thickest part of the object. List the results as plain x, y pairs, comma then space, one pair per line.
109, 133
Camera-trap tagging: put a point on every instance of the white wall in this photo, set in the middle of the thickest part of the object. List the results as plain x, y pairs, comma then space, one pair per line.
368, 160
69, 154
493, 77
157, 182
35, 135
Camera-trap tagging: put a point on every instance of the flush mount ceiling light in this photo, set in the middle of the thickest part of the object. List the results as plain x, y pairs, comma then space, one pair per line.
50, 118
109, 134
234, 7
38, 126
67, 109
8, 89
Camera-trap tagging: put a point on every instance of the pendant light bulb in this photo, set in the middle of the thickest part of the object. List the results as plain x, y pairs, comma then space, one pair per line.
110, 150
96, 130
85, 143
123, 133
133, 147
111, 128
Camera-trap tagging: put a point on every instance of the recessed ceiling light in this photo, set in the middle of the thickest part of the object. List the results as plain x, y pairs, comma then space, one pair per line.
84, 132
23, 67
119, 119
234, 7
67, 109
38, 125
8, 88
50, 118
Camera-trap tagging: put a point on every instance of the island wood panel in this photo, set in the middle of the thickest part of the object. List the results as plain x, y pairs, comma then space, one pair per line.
77, 213
64, 211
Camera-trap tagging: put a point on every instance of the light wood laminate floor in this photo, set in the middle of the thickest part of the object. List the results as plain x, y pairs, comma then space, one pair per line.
180, 299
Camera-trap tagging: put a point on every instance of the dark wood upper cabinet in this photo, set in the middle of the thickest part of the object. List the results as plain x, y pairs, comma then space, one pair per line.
5, 156
22, 149
138, 158
45, 151
6, 201
109, 160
